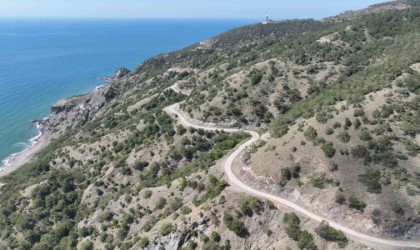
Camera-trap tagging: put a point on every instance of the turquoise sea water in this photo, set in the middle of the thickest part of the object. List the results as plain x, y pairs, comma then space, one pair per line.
42, 61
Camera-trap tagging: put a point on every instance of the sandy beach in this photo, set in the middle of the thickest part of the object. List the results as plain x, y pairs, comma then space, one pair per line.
15, 161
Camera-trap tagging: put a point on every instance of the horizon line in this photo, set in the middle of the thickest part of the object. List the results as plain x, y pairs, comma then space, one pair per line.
152, 18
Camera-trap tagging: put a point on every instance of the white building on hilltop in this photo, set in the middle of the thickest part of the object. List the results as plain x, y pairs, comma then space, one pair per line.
267, 20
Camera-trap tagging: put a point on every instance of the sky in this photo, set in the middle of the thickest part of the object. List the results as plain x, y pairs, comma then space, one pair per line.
218, 9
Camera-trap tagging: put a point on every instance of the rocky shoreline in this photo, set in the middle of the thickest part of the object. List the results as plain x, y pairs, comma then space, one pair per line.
65, 115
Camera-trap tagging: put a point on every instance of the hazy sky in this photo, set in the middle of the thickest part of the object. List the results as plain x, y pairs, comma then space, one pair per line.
277, 9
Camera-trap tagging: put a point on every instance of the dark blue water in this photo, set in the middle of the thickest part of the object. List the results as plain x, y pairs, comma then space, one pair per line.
42, 61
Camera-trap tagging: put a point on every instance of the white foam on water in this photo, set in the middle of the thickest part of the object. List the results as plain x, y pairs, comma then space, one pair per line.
32, 142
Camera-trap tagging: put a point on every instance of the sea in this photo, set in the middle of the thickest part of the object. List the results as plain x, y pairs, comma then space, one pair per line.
45, 60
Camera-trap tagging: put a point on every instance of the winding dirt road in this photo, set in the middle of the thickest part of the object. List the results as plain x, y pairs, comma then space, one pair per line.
234, 181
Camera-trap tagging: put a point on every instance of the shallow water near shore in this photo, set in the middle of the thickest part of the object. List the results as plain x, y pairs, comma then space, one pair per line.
42, 61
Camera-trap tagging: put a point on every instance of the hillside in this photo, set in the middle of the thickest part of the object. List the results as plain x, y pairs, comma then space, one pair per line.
336, 107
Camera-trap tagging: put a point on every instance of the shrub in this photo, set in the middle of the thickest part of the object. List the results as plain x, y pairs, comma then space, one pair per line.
144, 242
319, 180
161, 203
321, 117
347, 122
356, 204
329, 131
286, 175
87, 245
234, 224
251, 205
343, 136
185, 210
359, 151
333, 166
371, 179
255, 76
296, 171
166, 229
105, 216
310, 133
329, 150
331, 234
292, 222
306, 241
304, 238
376, 216
357, 123
336, 125
140, 165
359, 113
175, 204
340, 198
147, 194
365, 136
215, 236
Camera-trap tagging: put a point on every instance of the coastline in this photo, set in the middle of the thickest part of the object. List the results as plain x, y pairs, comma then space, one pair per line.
16, 160
38, 142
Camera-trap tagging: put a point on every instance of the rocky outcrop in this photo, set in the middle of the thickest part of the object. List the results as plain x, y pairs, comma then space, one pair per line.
69, 113
119, 74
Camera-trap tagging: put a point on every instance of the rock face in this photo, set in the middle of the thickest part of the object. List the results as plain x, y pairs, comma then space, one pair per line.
69, 113
120, 73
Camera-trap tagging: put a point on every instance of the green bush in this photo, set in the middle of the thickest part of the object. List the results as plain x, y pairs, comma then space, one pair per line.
365, 136
292, 222
105, 216
319, 180
357, 123
371, 178
311, 133
140, 165
87, 245
147, 194
255, 76
160, 203
306, 241
215, 236
359, 151
329, 150
304, 238
234, 224
359, 113
356, 204
331, 234
251, 206
144, 242
186, 210
340, 198
286, 174
166, 229
329, 131
343, 136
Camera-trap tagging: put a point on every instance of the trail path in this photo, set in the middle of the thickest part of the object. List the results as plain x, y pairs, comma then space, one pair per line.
234, 181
